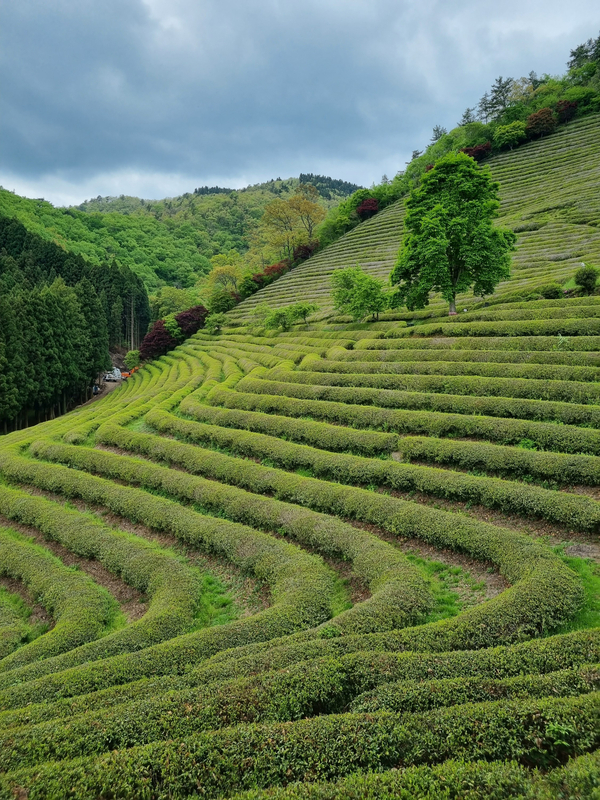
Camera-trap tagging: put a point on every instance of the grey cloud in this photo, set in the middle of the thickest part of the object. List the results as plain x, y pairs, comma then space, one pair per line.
255, 87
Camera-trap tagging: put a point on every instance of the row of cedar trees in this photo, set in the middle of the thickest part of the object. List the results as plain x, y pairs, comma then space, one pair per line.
58, 317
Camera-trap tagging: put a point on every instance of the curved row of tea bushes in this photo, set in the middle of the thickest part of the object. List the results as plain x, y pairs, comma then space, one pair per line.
522, 312
545, 593
283, 696
577, 511
353, 662
590, 326
569, 359
137, 392
82, 610
566, 391
547, 410
515, 462
326, 747
173, 587
403, 697
545, 435
302, 587
585, 344
399, 594
14, 629
327, 437
523, 371
477, 780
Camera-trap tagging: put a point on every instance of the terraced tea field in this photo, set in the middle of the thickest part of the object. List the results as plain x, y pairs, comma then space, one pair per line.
330, 563
346, 561
550, 197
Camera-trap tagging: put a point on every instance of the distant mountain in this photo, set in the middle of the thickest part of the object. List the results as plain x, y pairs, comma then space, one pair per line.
167, 241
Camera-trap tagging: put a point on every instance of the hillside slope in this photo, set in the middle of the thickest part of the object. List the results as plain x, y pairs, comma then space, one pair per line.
337, 559
550, 196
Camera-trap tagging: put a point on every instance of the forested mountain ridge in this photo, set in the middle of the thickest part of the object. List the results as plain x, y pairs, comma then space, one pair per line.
58, 316
165, 242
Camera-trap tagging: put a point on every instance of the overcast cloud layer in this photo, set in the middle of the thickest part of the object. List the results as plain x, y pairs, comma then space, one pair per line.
156, 97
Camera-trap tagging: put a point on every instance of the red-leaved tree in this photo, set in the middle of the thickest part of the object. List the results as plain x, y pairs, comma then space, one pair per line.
368, 208
156, 342
191, 320
566, 110
304, 251
541, 123
479, 152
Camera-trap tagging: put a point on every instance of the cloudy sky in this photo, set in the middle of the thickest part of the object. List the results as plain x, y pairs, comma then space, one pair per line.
156, 97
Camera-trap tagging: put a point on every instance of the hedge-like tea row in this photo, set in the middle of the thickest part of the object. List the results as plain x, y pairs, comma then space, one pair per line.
82, 610
501, 342
522, 311
590, 326
567, 358
511, 461
399, 594
173, 587
546, 591
295, 693
327, 437
477, 780
546, 410
574, 510
566, 391
302, 587
311, 662
404, 697
325, 747
13, 626
524, 370
545, 435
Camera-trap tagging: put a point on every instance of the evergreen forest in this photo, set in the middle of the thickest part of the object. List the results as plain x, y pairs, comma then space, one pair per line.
59, 315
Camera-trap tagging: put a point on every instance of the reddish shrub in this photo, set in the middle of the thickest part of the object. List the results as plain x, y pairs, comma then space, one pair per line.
156, 342
566, 110
479, 152
368, 208
304, 251
191, 320
541, 123
429, 167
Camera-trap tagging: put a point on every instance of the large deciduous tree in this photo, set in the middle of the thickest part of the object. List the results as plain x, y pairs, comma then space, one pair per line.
451, 244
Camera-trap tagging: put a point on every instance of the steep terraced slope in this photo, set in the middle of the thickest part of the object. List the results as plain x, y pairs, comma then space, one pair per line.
550, 195
323, 564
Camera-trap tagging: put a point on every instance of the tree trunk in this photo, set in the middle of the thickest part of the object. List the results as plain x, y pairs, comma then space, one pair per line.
452, 309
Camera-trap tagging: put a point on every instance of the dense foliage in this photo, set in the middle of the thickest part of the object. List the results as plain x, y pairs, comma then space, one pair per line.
165, 334
59, 314
451, 243
165, 242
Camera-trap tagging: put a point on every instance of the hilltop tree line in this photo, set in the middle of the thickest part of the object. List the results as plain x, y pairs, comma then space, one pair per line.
513, 111
58, 317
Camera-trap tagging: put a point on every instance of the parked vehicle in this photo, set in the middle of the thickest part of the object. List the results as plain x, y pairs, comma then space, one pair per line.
114, 375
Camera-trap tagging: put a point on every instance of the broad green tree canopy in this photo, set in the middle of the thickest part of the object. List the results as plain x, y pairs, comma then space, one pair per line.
357, 293
451, 244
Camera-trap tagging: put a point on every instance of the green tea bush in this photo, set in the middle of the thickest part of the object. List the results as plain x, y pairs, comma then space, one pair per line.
577, 511
173, 588
546, 435
329, 747
82, 611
